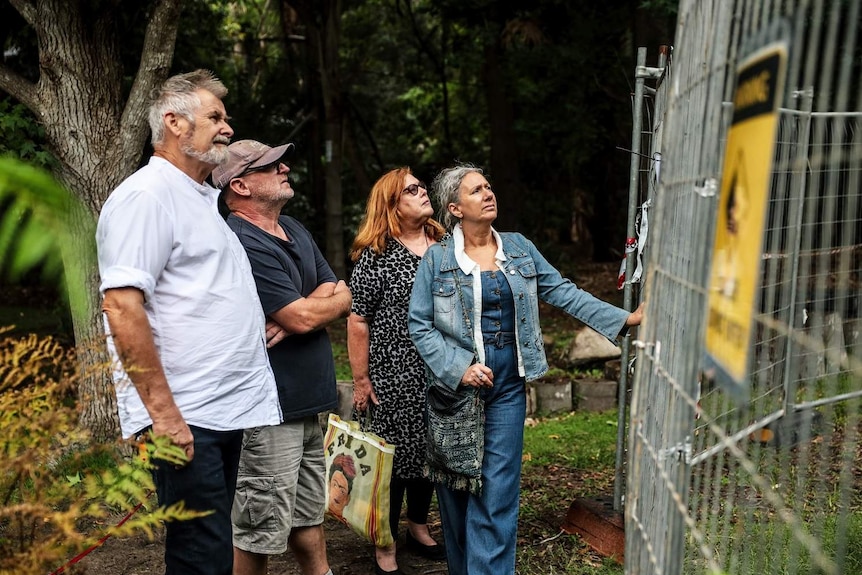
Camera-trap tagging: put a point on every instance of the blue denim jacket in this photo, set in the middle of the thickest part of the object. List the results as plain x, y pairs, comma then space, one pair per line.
442, 329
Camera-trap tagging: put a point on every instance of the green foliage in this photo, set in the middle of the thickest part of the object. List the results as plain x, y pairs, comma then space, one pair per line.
42, 226
589, 373
662, 7
55, 485
23, 136
264, 71
413, 79
417, 77
413, 76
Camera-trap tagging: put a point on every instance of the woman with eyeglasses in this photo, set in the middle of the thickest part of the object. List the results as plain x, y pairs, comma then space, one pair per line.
474, 317
388, 375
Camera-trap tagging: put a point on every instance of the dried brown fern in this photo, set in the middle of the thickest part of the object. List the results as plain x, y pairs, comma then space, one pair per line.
56, 485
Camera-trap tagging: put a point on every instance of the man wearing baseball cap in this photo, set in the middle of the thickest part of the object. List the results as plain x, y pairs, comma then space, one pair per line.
281, 486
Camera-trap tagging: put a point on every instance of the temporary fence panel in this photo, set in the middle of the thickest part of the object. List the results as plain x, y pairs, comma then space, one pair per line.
759, 471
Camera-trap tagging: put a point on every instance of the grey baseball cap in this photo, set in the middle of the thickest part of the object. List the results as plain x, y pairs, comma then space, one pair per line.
244, 155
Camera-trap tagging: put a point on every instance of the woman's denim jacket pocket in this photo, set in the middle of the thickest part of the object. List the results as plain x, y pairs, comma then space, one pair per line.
443, 295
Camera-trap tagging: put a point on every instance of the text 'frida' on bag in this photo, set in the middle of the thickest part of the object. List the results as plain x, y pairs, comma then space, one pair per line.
345, 440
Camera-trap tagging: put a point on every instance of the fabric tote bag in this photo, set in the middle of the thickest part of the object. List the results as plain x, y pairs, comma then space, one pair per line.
358, 474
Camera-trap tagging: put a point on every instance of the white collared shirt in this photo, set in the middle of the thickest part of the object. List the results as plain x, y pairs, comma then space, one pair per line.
160, 232
471, 268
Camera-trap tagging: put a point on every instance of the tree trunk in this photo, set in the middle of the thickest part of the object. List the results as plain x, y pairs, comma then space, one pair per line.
351, 149
97, 405
98, 140
315, 144
504, 171
322, 20
333, 134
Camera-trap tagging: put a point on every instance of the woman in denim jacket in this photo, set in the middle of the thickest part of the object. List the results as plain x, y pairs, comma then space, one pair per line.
478, 285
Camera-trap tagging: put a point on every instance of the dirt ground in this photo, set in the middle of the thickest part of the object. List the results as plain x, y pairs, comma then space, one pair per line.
348, 554
546, 494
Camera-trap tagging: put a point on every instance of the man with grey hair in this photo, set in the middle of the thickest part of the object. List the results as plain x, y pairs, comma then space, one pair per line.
184, 322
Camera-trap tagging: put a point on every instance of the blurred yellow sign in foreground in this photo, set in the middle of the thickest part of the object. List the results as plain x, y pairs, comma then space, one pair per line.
734, 278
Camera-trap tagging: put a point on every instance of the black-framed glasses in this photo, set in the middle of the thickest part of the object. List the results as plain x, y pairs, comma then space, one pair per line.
413, 189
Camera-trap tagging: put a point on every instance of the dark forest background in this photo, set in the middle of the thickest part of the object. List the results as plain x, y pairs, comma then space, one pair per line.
536, 92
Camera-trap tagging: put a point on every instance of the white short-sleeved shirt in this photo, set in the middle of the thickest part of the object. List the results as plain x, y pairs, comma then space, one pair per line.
160, 232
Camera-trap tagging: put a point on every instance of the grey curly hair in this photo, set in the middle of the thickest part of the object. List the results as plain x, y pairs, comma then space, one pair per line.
447, 190
178, 95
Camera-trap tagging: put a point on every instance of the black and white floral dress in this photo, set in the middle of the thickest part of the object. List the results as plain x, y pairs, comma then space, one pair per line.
381, 286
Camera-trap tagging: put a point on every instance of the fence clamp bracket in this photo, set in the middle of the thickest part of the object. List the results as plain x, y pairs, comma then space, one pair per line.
679, 452
706, 188
648, 72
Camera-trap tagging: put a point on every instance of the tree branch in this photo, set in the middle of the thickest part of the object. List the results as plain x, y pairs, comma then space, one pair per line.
423, 40
27, 9
21, 89
156, 57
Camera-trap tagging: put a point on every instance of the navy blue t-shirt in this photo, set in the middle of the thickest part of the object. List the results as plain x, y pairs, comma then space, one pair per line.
285, 271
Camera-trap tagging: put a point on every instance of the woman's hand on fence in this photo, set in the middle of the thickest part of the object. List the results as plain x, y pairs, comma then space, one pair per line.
637, 316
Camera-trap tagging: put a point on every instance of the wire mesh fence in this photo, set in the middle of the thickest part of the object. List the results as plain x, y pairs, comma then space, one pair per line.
760, 473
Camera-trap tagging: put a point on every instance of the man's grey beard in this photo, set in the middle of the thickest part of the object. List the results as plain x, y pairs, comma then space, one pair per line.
214, 155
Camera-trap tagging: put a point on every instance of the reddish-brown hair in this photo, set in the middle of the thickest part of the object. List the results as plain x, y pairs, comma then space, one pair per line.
381, 220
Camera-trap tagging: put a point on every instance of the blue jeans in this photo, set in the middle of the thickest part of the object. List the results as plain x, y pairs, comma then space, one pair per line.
203, 545
492, 518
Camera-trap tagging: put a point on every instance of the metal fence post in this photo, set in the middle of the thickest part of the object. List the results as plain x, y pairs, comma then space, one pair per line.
631, 262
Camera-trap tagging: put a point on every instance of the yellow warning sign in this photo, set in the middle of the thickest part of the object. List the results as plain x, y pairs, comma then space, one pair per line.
734, 280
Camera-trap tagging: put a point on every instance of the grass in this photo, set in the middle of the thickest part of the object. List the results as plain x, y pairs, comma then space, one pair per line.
35, 309
757, 545
565, 457
339, 352
552, 440
30, 320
